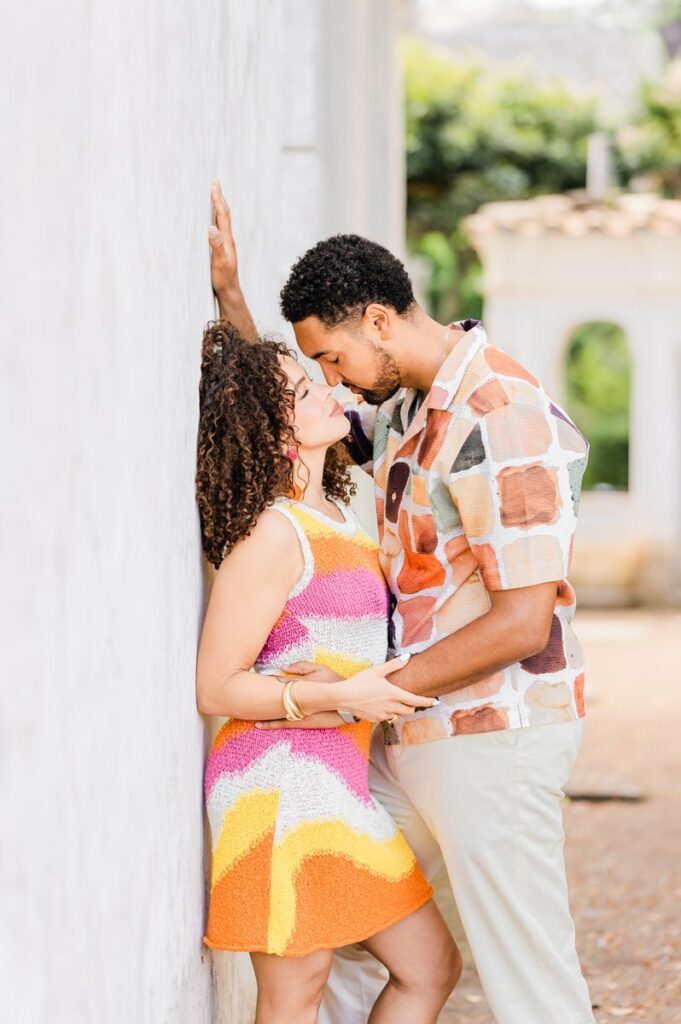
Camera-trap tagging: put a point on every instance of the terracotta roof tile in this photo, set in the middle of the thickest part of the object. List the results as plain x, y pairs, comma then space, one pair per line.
576, 215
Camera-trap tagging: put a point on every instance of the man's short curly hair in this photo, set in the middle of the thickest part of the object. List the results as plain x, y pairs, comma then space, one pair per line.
339, 277
246, 410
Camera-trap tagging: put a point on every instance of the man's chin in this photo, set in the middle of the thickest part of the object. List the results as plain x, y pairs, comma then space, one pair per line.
377, 397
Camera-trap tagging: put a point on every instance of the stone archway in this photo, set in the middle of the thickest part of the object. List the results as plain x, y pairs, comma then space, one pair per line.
552, 263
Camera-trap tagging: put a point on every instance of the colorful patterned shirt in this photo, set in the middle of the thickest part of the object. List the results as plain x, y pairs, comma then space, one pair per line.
477, 489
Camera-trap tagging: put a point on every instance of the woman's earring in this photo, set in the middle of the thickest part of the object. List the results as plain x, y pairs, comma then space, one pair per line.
292, 454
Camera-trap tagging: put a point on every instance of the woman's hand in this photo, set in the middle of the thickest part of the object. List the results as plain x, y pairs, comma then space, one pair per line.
224, 271
370, 695
321, 720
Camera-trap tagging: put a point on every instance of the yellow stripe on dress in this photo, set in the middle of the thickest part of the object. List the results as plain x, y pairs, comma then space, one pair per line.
390, 860
340, 663
314, 528
248, 820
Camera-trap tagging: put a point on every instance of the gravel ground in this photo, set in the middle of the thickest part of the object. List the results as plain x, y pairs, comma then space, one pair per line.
623, 858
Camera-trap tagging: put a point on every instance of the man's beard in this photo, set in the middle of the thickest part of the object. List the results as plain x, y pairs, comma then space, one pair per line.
388, 379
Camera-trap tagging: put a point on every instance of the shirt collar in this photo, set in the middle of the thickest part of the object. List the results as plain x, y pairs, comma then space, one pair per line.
450, 374
447, 381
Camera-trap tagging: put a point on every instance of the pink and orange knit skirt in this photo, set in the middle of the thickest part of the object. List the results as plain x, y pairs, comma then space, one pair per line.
303, 857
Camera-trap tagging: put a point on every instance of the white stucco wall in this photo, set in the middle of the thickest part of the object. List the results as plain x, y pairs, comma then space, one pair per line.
114, 118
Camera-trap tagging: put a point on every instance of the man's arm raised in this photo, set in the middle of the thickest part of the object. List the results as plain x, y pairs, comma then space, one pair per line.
224, 270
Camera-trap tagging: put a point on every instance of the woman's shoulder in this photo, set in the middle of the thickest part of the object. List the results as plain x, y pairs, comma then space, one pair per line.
270, 545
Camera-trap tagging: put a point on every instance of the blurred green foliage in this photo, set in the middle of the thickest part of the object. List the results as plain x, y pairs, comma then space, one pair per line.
474, 136
598, 389
650, 146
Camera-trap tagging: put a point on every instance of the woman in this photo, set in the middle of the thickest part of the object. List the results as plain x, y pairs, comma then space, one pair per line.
303, 858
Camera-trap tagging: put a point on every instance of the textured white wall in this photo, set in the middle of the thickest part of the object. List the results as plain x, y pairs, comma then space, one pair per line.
114, 118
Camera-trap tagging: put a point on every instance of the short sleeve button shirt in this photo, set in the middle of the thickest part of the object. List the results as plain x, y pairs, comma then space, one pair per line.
477, 490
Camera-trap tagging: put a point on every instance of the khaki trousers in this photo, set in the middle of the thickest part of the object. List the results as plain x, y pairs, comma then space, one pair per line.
488, 807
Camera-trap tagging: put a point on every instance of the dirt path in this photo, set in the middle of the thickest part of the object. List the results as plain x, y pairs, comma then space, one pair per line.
624, 859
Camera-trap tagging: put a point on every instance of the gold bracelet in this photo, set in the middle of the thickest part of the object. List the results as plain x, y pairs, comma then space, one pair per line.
284, 700
294, 700
284, 696
293, 713
290, 714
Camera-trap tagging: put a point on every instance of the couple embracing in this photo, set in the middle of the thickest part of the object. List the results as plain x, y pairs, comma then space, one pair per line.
454, 633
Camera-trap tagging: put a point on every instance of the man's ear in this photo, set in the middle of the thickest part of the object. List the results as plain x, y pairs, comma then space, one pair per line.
378, 320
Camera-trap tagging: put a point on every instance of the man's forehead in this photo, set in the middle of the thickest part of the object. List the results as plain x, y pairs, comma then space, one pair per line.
317, 340
312, 337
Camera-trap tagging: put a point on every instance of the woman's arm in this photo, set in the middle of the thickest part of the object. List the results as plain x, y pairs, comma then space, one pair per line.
224, 271
249, 593
248, 596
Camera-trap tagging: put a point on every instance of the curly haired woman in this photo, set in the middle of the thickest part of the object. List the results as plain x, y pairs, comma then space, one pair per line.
303, 858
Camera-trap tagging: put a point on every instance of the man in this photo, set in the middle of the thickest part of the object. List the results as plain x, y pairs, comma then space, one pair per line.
477, 478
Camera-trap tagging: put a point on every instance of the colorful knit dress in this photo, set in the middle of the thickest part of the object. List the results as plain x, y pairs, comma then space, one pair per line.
303, 857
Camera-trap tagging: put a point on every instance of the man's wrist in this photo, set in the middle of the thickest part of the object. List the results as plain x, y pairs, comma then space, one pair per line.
401, 676
407, 678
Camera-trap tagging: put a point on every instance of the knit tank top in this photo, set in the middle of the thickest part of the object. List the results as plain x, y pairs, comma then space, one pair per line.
337, 612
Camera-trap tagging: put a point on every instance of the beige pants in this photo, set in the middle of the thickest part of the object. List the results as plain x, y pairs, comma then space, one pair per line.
488, 806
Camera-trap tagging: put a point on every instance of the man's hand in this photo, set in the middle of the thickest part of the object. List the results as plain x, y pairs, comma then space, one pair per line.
224, 271
517, 626
322, 720
314, 673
